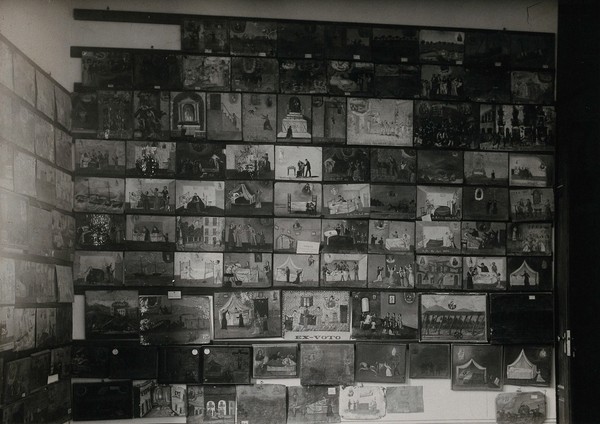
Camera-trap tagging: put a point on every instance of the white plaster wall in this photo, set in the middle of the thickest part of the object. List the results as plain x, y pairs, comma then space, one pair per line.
44, 30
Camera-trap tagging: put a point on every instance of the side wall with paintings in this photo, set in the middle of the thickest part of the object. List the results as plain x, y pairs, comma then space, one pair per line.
37, 235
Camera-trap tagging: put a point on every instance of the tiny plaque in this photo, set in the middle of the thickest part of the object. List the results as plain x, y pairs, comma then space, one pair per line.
174, 294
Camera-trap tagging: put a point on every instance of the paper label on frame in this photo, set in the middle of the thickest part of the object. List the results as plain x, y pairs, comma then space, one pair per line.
307, 247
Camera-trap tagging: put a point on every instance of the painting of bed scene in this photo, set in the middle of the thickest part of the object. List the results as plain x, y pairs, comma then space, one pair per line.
439, 272
483, 237
312, 315
343, 270
484, 273
248, 197
174, 321
150, 195
247, 314
391, 236
346, 200
292, 232
293, 270
200, 197
350, 78
200, 233
275, 360
298, 199
151, 232
195, 269
439, 203
344, 235
247, 269
385, 316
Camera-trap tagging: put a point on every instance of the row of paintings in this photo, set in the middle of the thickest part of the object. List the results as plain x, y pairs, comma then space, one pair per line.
37, 230
366, 42
26, 174
51, 403
310, 76
297, 118
229, 404
319, 315
339, 363
29, 327
311, 200
264, 235
215, 161
218, 234
311, 42
25, 281
262, 269
35, 87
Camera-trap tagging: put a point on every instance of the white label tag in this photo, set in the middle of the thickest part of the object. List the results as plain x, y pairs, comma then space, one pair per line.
52, 378
498, 64
262, 54
404, 59
356, 57
207, 50
459, 62
157, 87
308, 56
532, 297
307, 247
331, 390
174, 294
534, 396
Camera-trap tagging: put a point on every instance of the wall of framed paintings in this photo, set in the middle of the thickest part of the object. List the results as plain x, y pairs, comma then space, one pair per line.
264, 186
37, 239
